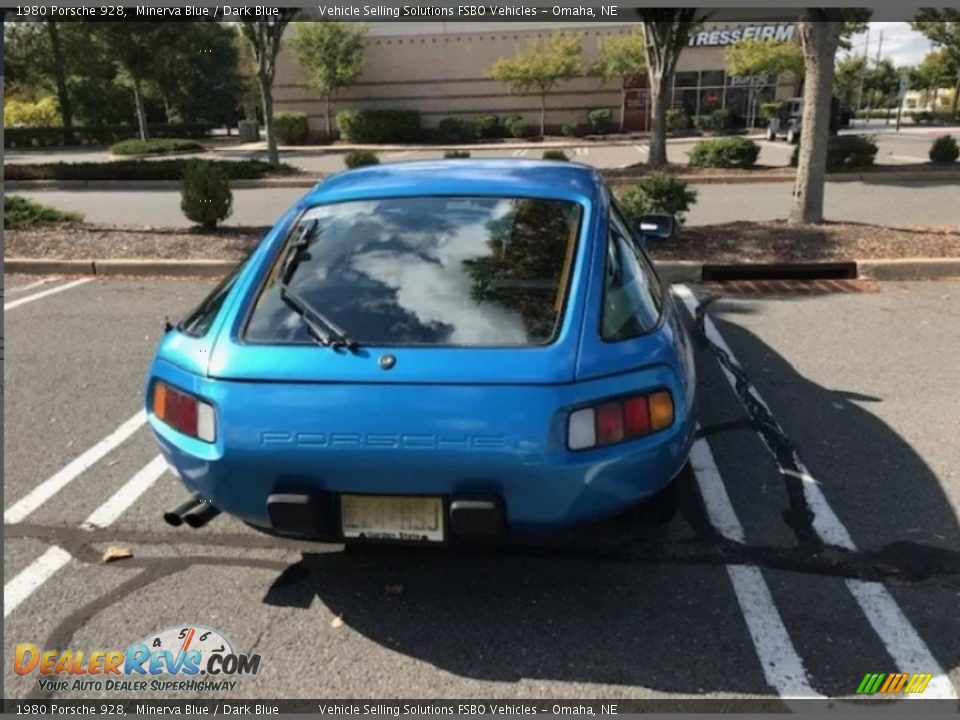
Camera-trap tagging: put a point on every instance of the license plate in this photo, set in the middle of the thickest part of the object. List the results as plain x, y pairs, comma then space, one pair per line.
378, 517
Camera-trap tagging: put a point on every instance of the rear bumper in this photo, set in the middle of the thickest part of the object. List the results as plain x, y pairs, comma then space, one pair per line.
280, 462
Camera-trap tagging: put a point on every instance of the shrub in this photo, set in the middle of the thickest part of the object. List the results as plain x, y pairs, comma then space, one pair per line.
677, 121
511, 122
554, 155
732, 152
379, 126
291, 128
769, 109
19, 212
205, 195
172, 169
575, 129
944, 150
360, 158
100, 134
456, 154
491, 128
846, 152
458, 130
523, 130
658, 193
721, 120
600, 121
45, 113
155, 146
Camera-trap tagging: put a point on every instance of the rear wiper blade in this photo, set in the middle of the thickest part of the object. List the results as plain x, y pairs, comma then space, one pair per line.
324, 330
294, 254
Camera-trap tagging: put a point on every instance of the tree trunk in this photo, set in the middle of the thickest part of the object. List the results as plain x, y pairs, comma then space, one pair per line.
956, 97
266, 95
820, 39
659, 89
623, 105
543, 114
141, 113
60, 76
329, 123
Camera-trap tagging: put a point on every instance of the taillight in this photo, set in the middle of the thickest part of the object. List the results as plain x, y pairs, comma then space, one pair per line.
614, 421
184, 413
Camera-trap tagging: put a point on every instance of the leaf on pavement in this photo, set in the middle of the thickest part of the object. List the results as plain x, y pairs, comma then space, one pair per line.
337, 622
116, 552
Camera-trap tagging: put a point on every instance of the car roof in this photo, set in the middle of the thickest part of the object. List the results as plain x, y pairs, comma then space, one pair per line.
508, 177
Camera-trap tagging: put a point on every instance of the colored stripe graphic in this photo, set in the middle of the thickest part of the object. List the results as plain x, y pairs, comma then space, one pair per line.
894, 683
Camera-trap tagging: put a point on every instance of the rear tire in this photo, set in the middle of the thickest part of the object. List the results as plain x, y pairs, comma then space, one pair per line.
791, 136
771, 135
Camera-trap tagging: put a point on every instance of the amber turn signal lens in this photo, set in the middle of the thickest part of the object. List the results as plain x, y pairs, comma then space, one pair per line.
160, 400
661, 410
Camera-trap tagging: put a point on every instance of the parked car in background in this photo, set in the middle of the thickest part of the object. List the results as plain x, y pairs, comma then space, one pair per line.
430, 352
787, 121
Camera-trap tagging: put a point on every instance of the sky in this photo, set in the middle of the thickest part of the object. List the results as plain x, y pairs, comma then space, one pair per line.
901, 44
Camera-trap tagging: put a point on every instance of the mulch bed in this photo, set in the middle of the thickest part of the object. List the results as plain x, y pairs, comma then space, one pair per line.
775, 241
779, 241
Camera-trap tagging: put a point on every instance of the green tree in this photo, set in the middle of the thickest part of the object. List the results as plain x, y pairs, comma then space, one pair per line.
848, 76
942, 27
540, 66
331, 54
265, 37
135, 47
59, 67
197, 76
666, 33
763, 61
621, 58
935, 72
881, 84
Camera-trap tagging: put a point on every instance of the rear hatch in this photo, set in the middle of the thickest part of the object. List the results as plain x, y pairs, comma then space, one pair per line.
433, 290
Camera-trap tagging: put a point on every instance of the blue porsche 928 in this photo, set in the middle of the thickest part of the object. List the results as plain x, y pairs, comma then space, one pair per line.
431, 352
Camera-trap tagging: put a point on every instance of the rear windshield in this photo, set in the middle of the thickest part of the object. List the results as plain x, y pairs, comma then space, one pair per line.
453, 271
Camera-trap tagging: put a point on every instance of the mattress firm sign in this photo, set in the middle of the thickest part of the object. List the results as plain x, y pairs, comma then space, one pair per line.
728, 36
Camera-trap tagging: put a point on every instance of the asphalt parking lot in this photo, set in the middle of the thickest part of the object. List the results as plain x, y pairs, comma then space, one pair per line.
817, 538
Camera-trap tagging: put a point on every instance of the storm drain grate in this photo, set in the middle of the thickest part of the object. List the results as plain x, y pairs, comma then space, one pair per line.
781, 271
793, 287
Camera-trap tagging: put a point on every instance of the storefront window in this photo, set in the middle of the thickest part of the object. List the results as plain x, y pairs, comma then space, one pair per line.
687, 79
711, 78
710, 99
686, 100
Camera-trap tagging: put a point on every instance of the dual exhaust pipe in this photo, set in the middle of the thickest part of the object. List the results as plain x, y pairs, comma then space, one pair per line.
194, 511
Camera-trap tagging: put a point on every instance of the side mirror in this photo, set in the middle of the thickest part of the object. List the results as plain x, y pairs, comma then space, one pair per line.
657, 226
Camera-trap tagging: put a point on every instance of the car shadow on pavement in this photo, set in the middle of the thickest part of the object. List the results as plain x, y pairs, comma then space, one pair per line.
620, 604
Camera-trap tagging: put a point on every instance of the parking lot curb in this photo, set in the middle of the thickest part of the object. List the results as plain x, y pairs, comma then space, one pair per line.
672, 271
31, 266
909, 268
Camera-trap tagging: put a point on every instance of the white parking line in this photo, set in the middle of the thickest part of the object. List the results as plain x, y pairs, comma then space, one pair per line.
127, 495
903, 643
29, 580
36, 296
59, 480
782, 666
33, 576
28, 286
642, 149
